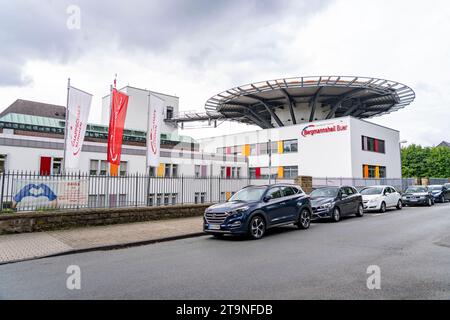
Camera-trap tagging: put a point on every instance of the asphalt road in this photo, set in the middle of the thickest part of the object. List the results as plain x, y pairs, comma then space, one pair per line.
328, 261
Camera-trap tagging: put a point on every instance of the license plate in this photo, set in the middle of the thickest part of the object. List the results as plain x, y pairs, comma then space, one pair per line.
214, 227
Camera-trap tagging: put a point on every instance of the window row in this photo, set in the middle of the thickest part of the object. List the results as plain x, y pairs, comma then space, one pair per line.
287, 172
160, 199
284, 146
372, 144
230, 172
370, 171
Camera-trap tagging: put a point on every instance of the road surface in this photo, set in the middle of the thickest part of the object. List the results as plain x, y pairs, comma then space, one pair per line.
329, 261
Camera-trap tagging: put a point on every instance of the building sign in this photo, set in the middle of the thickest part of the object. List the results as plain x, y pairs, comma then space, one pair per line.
34, 194
314, 129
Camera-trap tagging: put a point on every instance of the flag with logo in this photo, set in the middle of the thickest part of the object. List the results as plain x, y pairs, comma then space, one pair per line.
119, 106
155, 116
78, 107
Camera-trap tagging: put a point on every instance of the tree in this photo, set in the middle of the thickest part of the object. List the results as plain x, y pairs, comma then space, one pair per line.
433, 162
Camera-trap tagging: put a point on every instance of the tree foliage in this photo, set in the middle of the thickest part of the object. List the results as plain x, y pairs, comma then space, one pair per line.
432, 162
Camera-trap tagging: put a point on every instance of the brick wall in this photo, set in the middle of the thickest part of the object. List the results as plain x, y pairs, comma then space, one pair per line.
54, 220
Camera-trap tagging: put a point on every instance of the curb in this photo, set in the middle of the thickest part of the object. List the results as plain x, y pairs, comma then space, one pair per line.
112, 247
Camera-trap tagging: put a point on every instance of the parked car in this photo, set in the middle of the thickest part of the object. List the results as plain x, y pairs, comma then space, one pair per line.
415, 195
440, 193
379, 198
254, 209
447, 185
335, 202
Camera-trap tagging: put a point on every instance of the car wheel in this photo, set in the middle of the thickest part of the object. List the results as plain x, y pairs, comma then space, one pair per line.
360, 211
429, 203
441, 199
336, 216
304, 220
383, 207
257, 227
399, 205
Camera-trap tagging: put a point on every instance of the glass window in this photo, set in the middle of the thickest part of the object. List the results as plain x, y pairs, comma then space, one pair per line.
238, 172
2, 162
196, 197
202, 197
151, 199
274, 147
275, 193
222, 172
290, 146
197, 171
123, 168
263, 148
174, 198
288, 191
93, 167
103, 167
152, 172
57, 166
248, 194
167, 169
174, 170
169, 112
382, 172
158, 199
252, 173
253, 149
166, 199
290, 172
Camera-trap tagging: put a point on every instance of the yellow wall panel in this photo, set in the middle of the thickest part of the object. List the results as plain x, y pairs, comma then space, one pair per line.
280, 172
280, 146
160, 171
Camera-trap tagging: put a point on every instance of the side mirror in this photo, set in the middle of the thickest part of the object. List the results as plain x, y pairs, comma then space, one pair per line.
267, 198
344, 195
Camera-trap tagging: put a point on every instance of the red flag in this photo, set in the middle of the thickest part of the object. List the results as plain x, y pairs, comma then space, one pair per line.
116, 125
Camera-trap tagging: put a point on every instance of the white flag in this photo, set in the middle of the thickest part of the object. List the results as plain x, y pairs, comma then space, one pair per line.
155, 117
79, 105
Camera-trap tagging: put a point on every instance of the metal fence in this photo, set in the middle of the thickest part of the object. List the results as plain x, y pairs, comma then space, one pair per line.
26, 191
399, 183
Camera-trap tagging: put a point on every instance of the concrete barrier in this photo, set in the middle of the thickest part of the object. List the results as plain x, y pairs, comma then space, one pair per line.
56, 220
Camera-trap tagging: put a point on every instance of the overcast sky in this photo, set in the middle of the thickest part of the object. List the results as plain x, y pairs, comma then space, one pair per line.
196, 49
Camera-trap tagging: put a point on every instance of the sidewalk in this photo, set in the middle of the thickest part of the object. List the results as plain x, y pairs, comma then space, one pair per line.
25, 246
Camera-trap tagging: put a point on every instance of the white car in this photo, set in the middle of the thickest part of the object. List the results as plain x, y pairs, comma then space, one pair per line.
379, 198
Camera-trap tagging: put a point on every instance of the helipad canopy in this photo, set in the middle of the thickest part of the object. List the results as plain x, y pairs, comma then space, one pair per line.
281, 102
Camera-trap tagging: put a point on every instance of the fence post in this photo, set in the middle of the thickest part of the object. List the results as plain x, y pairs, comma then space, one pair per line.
182, 189
146, 191
3, 189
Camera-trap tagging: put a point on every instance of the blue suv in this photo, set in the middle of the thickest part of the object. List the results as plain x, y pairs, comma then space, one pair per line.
254, 209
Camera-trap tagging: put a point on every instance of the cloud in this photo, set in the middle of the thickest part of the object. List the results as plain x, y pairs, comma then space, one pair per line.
197, 31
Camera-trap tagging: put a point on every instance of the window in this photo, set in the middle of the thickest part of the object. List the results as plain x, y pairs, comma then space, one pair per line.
233, 172
372, 144
166, 199
2, 162
169, 112
288, 191
290, 172
197, 171
123, 168
174, 170
152, 172
221, 150
196, 197
57, 166
103, 167
371, 171
93, 167
275, 193
238, 172
151, 199
290, 146
174, 198
167, 170
222, 172
253, 149
263, 148
158, 199
252, 173
202, 197
273, 146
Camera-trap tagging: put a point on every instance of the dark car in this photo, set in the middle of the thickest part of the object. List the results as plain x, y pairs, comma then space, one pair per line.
417, 195
254, 209
440, 193
335, 202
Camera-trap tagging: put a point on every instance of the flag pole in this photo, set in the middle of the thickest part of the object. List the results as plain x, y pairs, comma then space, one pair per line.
110, 115
65, 125
147, 138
